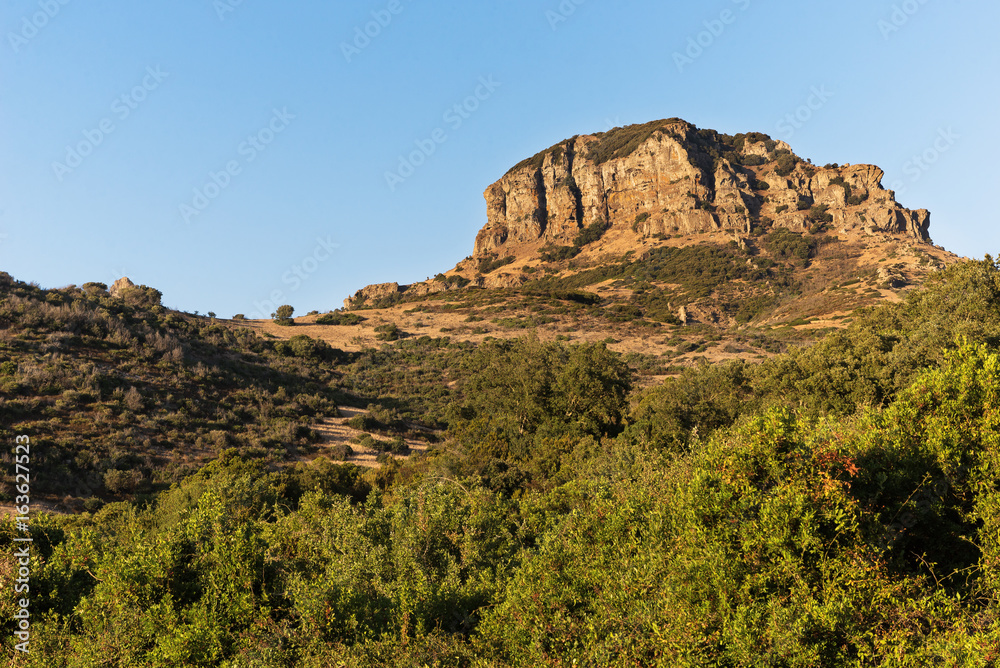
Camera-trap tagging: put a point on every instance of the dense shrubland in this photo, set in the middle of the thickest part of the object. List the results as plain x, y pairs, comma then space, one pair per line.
835, 505
129, 396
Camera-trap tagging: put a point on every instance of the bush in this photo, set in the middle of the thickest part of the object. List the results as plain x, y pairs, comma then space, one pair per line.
365, 422
340, 319
819, 213
517, 386
552, 253
388, 332
141, 296
621, 142
623, 313
489, 264
786, 245
340, 452
283, 316
122, 482
577, 296
591, 233
308, 348
786, 164
94, 289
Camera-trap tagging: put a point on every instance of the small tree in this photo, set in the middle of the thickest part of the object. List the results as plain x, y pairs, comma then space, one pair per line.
283, 316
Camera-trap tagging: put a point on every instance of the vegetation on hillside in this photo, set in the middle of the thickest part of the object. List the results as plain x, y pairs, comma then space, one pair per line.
834, 505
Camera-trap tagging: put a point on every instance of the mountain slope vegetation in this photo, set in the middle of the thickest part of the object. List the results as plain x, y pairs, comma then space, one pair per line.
835, 504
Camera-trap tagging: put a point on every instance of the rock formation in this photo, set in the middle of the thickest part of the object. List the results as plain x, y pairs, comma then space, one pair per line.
372, 293
120, 286
669, 177
659, 180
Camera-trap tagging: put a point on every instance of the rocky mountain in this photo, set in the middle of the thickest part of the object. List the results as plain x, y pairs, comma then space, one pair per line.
765, 225
669, 177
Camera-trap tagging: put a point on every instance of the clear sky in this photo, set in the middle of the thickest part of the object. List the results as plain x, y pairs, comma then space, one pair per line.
231, 151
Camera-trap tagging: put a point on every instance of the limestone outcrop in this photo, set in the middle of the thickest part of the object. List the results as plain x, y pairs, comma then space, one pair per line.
668, 177
662, 179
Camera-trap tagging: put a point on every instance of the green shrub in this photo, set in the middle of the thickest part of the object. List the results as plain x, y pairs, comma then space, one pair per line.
786, 164
786, 245
340, 319
819, 213
309, 348
552, 253
95, 289
622, 142
283, 315
489, 264
591, 233
388, 332
517, 386
623, 313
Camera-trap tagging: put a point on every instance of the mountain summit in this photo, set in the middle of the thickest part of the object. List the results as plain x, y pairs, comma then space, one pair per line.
668, 177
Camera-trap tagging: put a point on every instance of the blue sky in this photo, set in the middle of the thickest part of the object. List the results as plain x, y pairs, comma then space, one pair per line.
233, 152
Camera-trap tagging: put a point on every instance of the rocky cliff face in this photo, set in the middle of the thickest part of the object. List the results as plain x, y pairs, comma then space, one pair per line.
668, 177
651, 185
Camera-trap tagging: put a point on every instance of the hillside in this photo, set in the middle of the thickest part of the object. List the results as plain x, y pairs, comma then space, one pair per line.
596, 442
832, 505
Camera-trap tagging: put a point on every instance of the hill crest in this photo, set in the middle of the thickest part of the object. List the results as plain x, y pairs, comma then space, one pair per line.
596, 198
